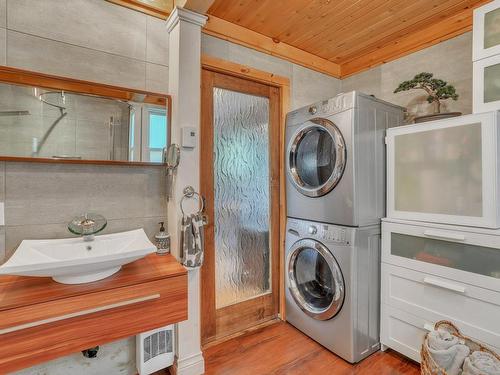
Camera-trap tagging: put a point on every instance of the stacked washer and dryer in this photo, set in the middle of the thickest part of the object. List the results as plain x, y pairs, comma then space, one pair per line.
335, 159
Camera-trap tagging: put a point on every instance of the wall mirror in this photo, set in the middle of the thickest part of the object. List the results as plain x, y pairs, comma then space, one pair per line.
52, 119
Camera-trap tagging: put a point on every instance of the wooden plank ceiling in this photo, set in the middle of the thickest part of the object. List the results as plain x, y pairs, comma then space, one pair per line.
340, 37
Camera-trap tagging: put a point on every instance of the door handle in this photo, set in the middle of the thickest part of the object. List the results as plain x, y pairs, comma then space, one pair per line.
444, 235
444, 284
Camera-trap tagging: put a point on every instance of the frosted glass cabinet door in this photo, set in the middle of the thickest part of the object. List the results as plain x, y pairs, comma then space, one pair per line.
444, 171
486, 34
487, 84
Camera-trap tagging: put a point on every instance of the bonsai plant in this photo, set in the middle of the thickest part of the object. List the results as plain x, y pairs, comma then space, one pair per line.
436, 89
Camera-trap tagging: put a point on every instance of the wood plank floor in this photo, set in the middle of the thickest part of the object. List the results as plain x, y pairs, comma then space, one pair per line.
280, 349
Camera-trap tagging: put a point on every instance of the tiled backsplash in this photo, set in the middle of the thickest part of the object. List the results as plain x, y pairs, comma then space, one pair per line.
40, 199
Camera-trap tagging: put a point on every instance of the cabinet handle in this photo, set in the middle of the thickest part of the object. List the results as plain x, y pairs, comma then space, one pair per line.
428, 327
79, 313
444, 284
444, 235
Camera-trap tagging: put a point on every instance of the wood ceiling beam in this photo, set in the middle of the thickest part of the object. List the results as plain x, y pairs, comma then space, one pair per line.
199, 6
155, 8
443, 30
237, 34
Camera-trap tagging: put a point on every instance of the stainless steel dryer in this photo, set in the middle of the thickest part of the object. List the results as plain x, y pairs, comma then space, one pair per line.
333, 286
335, 159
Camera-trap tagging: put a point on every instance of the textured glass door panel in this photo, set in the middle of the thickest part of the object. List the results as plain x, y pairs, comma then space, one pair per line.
439, 171
241, 202
492, 83
492, 28
466, 257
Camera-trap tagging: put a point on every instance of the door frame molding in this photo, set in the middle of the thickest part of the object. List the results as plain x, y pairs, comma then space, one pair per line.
283, 84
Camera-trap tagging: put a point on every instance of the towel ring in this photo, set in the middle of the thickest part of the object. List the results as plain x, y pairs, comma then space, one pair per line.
189, 192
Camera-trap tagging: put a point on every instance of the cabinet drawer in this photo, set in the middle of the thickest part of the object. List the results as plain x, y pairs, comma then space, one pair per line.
402, 331
447, 251
65, 308
474, 310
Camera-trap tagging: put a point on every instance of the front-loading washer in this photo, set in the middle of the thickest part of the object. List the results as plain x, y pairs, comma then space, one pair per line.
332, 286
335, 159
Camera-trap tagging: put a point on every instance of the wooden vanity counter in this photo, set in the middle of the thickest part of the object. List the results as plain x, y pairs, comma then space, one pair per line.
41, 320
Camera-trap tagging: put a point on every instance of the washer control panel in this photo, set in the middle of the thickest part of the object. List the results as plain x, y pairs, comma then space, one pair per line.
331, 233
313, 229
322, 232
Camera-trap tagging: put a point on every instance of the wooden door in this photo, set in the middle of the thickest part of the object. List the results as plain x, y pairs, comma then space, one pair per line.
240, 179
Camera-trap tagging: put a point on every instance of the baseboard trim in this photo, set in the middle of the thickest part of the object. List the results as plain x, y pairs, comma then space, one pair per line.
193, 365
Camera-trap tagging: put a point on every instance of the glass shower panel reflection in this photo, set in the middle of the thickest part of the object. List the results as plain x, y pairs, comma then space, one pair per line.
241, 202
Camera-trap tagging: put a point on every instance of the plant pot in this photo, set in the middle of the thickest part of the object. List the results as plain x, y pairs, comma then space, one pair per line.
436, 116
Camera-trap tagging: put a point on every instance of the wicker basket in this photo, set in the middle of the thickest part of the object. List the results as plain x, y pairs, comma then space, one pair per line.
429, 367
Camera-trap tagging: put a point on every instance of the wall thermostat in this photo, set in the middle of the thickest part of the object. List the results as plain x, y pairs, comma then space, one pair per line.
189, 137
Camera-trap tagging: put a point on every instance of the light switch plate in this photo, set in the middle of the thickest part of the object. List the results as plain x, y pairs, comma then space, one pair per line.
2, 213
189, 137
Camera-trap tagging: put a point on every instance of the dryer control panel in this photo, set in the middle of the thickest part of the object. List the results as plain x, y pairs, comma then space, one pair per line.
319, 231
325, 108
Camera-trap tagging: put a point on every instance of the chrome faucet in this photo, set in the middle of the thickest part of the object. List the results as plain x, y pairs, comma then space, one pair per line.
88, 229
87, 225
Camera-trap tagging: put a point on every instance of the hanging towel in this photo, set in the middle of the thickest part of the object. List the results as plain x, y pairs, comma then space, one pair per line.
481, 363
192, 237
447, 350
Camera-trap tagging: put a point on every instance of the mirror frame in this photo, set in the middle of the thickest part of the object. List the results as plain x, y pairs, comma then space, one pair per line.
29, 78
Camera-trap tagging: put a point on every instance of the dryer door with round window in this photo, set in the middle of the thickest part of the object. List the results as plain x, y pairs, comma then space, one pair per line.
316, 157
315, 280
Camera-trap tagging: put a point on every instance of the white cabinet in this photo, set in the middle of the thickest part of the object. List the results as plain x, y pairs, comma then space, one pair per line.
445, 171
433, 272
486, 31
486, 57
487, 84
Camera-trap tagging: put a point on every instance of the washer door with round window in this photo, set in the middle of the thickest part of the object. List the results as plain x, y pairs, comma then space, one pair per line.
316, 157
315, 280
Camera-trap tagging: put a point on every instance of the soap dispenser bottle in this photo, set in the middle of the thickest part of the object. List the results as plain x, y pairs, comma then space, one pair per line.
162, 241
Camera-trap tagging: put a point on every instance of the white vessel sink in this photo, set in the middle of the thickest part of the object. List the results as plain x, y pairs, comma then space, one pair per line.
75, 261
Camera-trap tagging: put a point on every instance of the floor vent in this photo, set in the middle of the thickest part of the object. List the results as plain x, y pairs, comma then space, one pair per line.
155, 350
